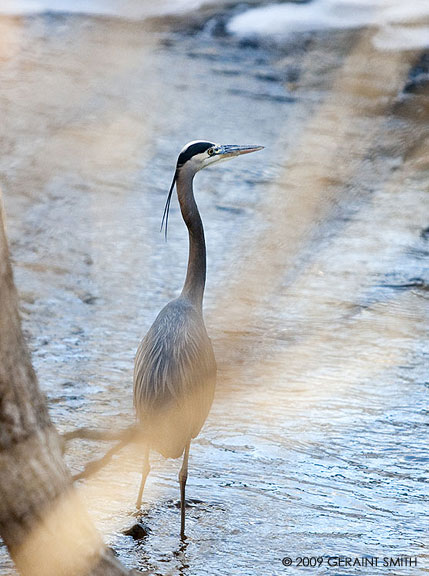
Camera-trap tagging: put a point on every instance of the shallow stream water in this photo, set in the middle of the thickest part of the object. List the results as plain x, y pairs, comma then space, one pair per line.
317, 285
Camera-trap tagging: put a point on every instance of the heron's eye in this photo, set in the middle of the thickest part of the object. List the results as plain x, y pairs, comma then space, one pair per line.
210, 151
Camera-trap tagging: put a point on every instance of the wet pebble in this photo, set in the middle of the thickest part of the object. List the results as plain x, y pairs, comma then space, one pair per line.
425, 233
138, 531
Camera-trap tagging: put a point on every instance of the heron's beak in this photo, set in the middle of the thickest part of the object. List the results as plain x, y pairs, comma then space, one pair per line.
231, 150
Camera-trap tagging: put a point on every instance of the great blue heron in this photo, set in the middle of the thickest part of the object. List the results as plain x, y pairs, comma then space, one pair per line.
175, 368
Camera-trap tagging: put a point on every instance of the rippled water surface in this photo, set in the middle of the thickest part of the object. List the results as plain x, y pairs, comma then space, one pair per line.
317, 286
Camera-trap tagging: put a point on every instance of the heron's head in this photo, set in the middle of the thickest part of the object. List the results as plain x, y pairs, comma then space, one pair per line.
198, 154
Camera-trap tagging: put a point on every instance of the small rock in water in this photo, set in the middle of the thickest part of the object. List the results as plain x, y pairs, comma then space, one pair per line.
138, 531
425, 233
89, 299
419, 75
231, 209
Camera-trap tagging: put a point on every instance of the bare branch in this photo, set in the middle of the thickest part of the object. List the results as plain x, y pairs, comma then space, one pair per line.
130, 434
97, 434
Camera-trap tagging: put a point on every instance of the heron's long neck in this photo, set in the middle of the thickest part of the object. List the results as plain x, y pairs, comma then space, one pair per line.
196, 273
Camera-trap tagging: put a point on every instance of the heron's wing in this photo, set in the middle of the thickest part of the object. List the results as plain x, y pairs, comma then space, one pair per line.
174, 360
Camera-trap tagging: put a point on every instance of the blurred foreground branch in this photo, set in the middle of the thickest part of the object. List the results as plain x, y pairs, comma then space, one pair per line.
42, 520
101, 435
125, 437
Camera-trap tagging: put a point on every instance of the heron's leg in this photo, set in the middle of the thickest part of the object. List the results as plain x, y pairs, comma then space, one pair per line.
183, 476
145, 472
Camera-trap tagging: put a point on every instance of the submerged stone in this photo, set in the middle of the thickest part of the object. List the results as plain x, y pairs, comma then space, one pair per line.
138, 531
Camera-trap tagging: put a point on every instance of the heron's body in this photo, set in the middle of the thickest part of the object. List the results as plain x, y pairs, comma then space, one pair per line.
175, 374
175, 368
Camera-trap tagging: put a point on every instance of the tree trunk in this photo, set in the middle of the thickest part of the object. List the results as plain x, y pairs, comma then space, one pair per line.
42, 521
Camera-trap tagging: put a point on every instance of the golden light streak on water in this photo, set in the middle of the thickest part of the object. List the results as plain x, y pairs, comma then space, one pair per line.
327, 352
324, 160
333, 342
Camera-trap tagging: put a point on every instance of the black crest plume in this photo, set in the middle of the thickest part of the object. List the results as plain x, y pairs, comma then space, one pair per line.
192, 150
167, 205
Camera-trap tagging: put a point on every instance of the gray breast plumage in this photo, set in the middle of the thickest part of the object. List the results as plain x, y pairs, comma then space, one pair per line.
174, 377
